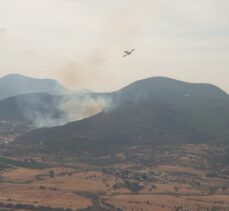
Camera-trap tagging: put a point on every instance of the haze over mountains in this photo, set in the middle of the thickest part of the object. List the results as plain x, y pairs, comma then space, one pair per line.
152, 111
42, 102
15, 84
30, 108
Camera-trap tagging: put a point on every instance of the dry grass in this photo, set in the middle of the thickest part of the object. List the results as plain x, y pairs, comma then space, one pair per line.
91, 181
165, 202
180, 183
28, 194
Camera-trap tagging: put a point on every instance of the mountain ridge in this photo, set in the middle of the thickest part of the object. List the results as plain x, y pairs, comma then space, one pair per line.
165, 116
16, 84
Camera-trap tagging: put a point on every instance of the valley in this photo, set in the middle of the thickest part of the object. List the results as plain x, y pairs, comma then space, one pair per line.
188, 177
156, 144
114, 105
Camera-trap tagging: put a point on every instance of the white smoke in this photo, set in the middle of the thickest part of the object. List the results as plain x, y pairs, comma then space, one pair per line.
84, 106
70, 108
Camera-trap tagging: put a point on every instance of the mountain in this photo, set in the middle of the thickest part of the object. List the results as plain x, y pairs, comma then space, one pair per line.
32, 109
164, 90
15, 84
151, 111
45, 110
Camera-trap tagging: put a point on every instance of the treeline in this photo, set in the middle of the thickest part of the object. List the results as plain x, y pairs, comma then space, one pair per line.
31, 164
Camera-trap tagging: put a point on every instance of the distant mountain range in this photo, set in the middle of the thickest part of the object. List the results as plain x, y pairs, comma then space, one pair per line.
32, 109
15, 84
156, 110
45, 110
38, 102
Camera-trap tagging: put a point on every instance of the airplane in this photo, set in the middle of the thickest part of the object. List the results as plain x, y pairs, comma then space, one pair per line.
127, 53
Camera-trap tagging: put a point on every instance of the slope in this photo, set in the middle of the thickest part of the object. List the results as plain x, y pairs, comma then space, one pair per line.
151, 111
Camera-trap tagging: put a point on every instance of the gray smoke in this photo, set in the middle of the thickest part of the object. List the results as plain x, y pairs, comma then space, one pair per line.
83, 106
65, 109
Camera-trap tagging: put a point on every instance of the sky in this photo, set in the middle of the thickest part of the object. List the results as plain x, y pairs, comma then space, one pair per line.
81, 42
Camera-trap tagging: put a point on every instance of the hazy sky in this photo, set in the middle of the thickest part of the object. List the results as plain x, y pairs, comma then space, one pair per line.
80, 42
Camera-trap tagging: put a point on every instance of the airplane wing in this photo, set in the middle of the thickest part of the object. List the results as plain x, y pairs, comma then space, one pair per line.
126, 53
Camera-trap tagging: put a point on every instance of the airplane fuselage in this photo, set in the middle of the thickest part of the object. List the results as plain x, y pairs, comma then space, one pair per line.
127, 53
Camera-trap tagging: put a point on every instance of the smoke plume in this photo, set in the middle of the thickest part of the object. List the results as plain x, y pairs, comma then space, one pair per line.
64, 110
